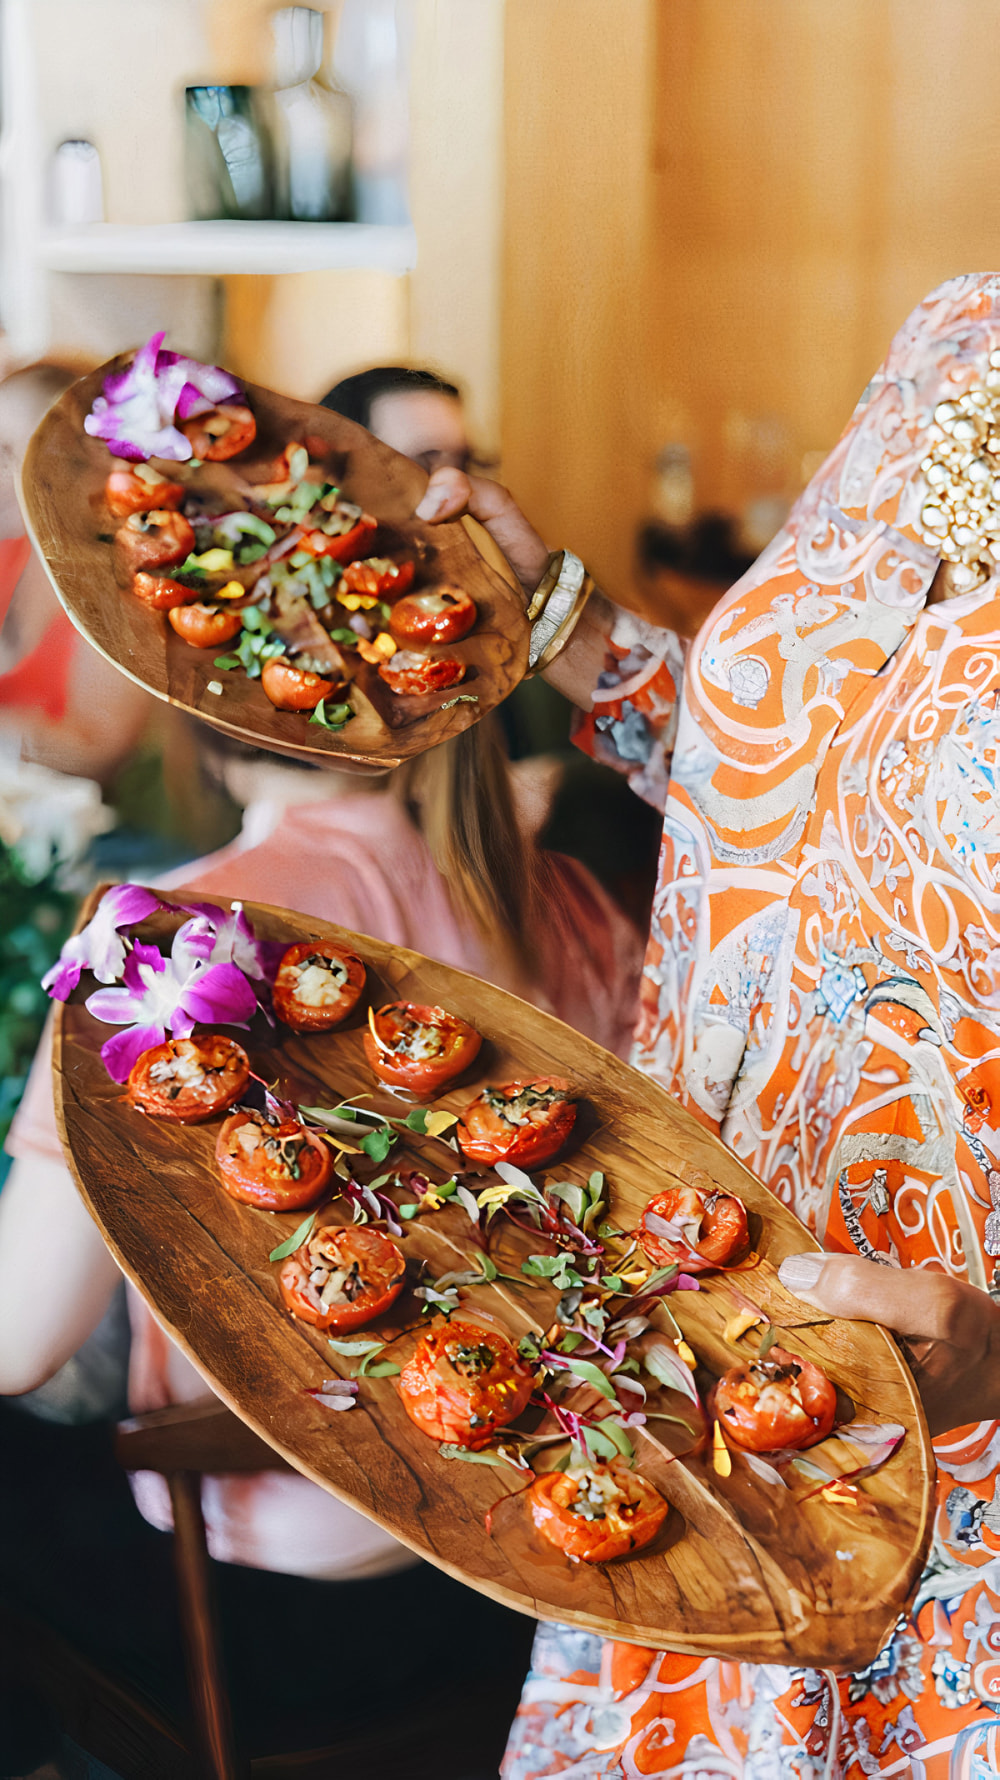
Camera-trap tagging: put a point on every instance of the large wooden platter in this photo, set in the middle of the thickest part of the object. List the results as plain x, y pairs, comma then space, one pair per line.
744, 1569
62, 480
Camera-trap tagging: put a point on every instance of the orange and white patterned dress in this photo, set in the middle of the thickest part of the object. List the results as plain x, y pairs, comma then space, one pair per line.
822, 988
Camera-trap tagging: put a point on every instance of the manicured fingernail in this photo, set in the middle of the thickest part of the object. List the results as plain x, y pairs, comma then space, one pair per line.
432, 503
799, 1273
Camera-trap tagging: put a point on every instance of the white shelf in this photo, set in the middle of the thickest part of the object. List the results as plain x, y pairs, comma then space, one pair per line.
214, 248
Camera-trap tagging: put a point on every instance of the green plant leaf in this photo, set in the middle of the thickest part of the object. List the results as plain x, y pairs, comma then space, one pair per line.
295, 1240
377, 1144
382, 1369
588, 1373
472, 1458
669, 1369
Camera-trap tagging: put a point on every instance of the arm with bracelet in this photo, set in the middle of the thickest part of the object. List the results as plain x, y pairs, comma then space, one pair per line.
621, 672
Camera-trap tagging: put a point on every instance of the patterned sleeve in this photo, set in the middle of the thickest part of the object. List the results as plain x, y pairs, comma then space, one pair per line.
634, 718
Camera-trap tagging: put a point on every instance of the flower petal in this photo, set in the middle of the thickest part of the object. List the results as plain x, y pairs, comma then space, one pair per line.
122, 1050
220, 994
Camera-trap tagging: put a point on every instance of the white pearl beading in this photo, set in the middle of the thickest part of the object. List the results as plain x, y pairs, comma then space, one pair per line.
960, 516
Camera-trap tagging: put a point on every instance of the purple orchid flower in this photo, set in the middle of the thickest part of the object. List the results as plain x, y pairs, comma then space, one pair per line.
237, 943
158, 994
100, 947
135, 416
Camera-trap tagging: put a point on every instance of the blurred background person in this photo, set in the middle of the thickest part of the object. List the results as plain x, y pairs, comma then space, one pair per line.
570, 804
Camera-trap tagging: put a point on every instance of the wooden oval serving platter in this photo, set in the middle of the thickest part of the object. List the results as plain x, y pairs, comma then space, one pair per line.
62, 482
744, 1568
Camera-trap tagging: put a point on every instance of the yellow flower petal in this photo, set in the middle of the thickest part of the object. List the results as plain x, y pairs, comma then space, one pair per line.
722, 1464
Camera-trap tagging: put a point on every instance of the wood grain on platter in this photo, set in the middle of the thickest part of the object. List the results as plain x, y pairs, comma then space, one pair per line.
743, 1568
62, 482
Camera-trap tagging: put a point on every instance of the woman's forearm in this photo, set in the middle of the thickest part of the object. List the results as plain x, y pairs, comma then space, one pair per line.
56, 1275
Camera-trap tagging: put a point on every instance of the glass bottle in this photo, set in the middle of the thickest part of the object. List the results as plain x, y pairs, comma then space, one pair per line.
311, 124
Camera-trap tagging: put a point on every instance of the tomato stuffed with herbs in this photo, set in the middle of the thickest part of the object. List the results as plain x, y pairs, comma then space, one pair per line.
342, 1277
317, 985
409, 674
439, 615
161, 593
596, 1512
293, 688
694, 1229
221, 432
524, 1122
156, 540
376, 578
189, 1079
420, 1048
464, 1382
205, 626
272, 1163
775, 1402
343, 535
138, 490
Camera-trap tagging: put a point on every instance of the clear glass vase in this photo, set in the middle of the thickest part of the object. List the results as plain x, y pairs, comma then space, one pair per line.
227, 154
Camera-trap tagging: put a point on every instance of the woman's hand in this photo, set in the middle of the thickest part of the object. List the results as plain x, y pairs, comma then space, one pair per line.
450, 493
950, 1330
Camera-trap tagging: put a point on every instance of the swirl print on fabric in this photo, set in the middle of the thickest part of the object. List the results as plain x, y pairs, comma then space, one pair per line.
822, 988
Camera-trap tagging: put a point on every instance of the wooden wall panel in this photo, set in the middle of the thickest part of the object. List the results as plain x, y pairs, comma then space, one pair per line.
818, 168
574, 348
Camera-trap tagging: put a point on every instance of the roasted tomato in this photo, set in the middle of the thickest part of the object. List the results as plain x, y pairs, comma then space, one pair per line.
596, 1512
317, 986
343, 546
697, 1230
342, 1277
126, 491
154, 540
416, 1047
409, 674
774, 1402
522, 1122
221, 432
291, 688
277, 1165
376, 578
189, 1079
439, 615
464, 1382
207, 627
162, 593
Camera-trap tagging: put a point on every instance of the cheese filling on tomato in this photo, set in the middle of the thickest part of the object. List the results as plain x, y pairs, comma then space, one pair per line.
182, 1069
599, 1497
518, 1109
317, 981
250, 1139
418, 1041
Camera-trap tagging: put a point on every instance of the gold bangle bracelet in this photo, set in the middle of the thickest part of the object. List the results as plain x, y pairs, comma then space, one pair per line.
540, 597
561, 614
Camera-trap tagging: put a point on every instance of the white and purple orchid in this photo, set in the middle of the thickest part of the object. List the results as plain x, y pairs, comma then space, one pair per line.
237, 943
136, 415
159, 994
100, 947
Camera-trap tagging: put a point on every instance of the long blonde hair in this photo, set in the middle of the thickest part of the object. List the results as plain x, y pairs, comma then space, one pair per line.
459, 795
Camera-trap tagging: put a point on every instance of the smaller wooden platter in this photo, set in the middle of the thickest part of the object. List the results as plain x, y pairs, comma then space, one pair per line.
61, 492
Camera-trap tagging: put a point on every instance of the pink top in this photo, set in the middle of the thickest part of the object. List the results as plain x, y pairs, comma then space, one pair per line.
40, 680
358, 860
